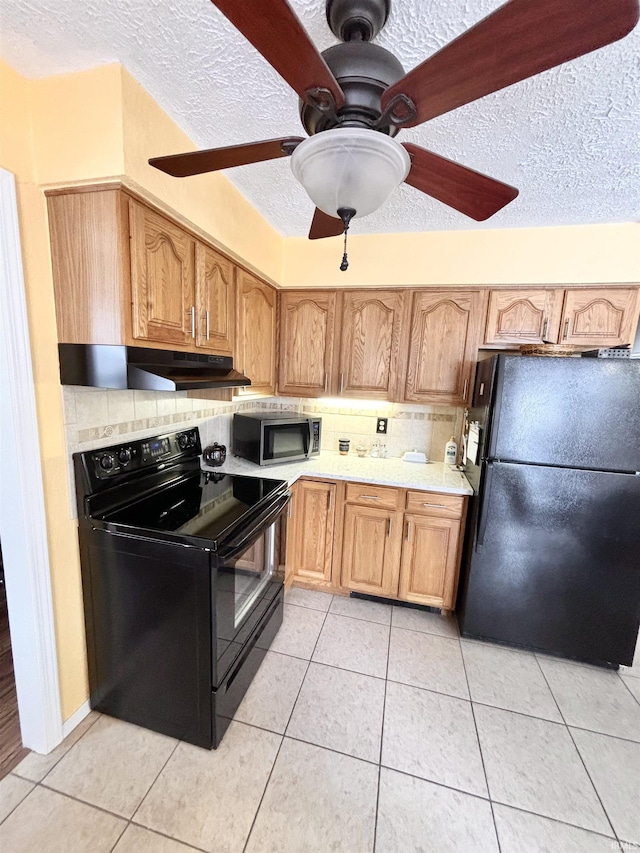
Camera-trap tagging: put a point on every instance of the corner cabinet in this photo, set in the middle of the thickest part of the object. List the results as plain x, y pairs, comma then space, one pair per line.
444, 336
307, 323
523, 316
310, 532
256, 333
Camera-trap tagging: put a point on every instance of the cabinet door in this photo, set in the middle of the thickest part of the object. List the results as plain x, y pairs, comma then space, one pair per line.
162, 278
523, 316
310, 532
256, 336
371, 550
599, 316
371, 323
215, 301
443, 343
429, 560
306, 343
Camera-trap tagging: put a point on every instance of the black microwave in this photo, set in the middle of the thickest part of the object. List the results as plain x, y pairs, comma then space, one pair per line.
268, 438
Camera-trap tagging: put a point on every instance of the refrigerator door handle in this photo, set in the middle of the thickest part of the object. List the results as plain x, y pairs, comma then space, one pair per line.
482, 515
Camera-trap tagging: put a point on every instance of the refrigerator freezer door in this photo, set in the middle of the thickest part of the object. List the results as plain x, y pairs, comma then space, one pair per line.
554, 563
573, 412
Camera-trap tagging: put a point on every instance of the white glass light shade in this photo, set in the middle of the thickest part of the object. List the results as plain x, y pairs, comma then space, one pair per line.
350, 167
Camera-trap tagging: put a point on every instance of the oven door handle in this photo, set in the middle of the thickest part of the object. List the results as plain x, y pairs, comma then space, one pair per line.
236, 545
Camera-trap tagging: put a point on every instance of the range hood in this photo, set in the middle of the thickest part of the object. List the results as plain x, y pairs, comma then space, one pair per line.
146, 369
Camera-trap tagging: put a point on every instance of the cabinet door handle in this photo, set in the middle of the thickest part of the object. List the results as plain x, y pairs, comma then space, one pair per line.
390, 527
341, 382
193, 321
464, 390
370, 498
206, 314
440, 506
566, 328
330, 499
545, 329
290, 509
408, 530
326, 381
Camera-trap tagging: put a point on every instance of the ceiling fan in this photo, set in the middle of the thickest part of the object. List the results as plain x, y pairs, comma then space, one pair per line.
355, 97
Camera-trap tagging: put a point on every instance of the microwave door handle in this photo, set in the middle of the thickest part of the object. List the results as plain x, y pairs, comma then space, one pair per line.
307, 439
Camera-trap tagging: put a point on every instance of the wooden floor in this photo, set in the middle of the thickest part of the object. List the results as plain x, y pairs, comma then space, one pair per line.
11, 749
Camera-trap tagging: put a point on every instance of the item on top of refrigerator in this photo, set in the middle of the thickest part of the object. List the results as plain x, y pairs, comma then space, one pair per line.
610, 352
414, 456
451, 451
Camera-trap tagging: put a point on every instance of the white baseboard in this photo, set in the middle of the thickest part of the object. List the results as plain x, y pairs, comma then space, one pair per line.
75, 719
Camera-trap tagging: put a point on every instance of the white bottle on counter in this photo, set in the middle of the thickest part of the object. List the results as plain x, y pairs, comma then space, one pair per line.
451, 451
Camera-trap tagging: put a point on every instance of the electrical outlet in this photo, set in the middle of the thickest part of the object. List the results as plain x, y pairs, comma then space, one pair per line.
381, 426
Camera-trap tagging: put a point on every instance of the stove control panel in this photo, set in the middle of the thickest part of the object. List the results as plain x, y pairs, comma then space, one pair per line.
109, 462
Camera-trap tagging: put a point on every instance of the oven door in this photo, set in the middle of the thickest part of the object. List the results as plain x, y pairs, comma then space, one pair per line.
285, 441
246, 582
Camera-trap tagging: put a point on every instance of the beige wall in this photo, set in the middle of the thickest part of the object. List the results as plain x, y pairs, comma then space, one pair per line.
101, 124
586, 254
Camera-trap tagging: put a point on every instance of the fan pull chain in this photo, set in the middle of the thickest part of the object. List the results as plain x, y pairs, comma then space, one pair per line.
346, 214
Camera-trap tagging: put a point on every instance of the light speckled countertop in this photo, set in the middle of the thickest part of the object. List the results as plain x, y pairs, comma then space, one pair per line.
429, 477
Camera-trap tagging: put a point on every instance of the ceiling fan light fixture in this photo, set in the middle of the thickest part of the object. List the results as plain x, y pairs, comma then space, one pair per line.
350, 167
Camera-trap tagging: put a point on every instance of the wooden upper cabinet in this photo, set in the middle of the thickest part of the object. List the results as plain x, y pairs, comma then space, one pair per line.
215, 301
371, 328
371, 550
306, 343
162, 278
444, 335
523, 316
599, 316
256, 333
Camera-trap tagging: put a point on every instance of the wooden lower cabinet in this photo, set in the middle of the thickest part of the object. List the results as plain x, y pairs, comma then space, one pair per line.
430, 553
371, 542
379, 540
310, 534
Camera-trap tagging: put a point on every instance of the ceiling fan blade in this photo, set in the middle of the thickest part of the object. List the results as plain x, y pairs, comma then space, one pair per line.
275, 31
213, 159
520, 39
472, 193
324, 226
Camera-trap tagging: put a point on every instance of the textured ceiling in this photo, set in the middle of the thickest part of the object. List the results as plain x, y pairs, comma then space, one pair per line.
568, 138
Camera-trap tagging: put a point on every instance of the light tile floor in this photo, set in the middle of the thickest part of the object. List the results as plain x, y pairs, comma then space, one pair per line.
368, 727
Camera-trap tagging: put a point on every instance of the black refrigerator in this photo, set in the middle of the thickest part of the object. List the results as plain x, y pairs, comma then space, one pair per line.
552, 550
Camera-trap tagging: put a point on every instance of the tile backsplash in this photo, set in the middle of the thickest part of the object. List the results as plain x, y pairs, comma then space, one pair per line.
96, 417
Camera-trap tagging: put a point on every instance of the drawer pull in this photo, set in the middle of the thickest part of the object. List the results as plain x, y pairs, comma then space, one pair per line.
370, 498
440, 506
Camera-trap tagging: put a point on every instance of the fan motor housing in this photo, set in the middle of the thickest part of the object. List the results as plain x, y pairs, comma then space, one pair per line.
363, 71
357, 19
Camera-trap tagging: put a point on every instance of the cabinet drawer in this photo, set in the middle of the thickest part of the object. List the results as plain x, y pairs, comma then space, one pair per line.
367, 495
435, 503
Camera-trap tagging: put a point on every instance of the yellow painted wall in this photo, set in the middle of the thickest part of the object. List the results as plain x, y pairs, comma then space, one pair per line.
95, 125
585, 254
